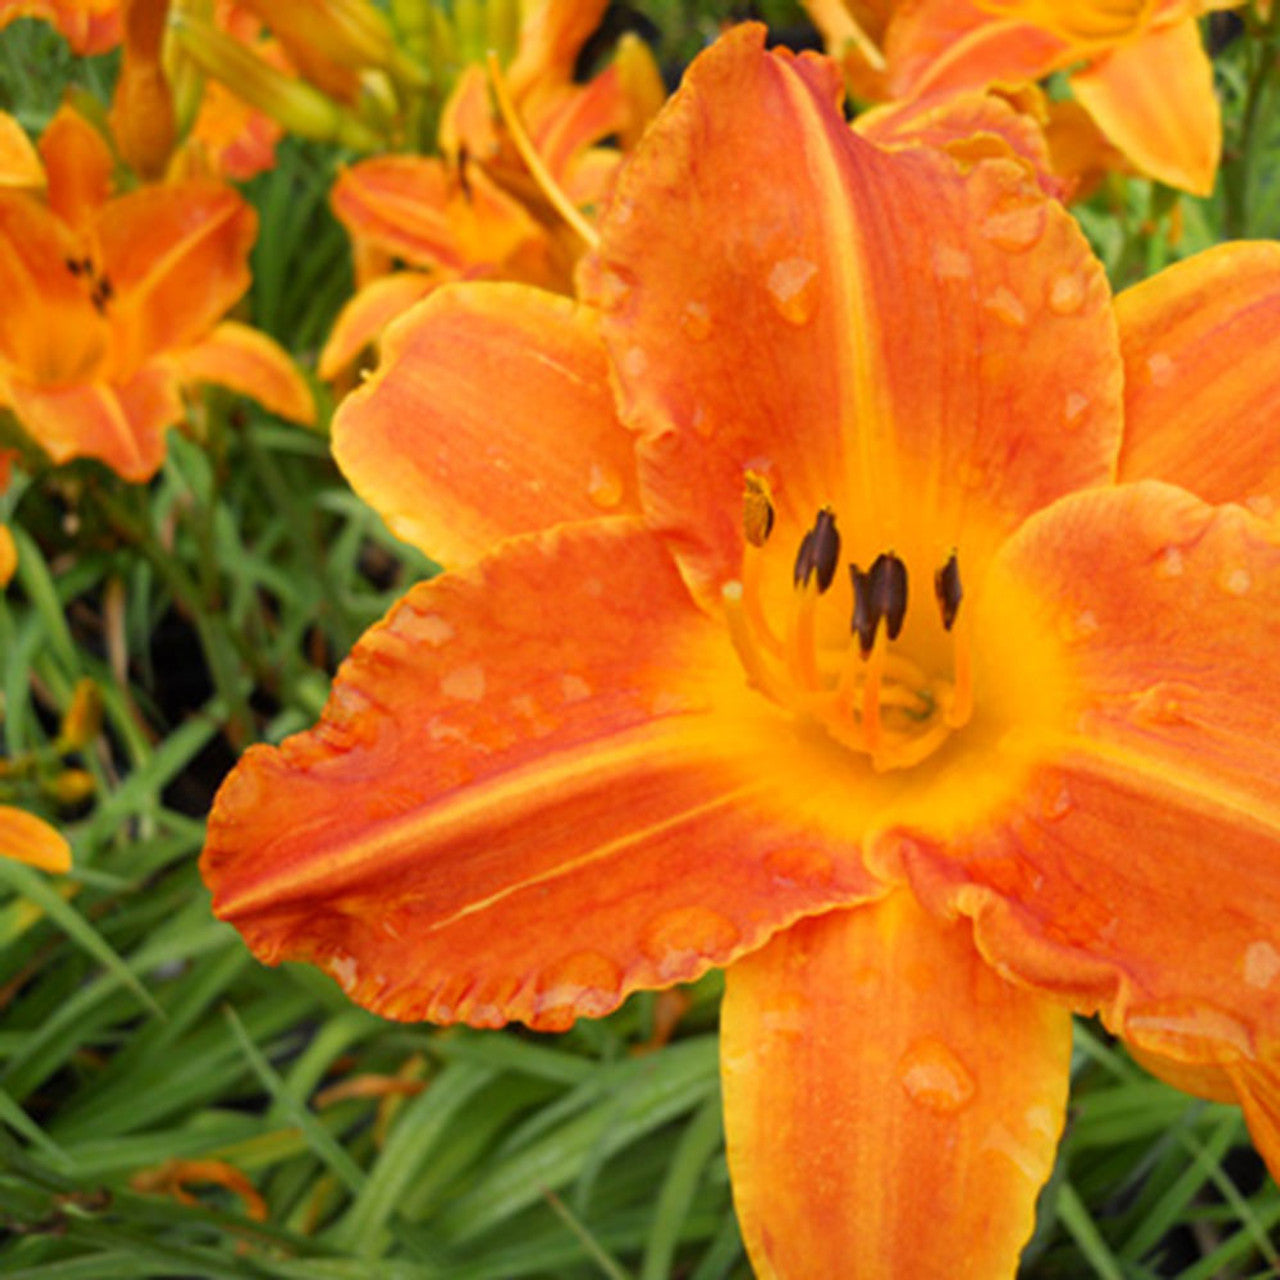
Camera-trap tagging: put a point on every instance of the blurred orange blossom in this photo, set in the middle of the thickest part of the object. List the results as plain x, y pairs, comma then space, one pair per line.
847, 592
1137, 67
114, 303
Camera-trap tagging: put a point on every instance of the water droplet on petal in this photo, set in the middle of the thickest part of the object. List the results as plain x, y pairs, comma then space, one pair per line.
701, 421
950, 263
1066, 293
1079, 627
1185, 1028
1074, 408
574, 688
1262, 505
604, 486
464, 683
343, 967
1014, 223
621, 212
427, 628
585, 984
1160, 705
1261, 964
1235, 581
635, 363
1057, 803
696, 321
1170, 564
1160, 368
1005, 305
685, 941
800, 866
793, 287
612, 291
934, 1078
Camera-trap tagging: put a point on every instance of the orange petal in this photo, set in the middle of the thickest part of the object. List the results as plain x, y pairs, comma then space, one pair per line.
552, 33
51, 333
972, 126
246, 360
1139, 874
1154, 99
121, 425
362, 320
518, 803
888, 1098
90, 26
490, 415
942, 45
19, 161
878, 332
177, 258
1257, 1086
80, 167
25, 838
142, 116
1201, 378
1202, 1080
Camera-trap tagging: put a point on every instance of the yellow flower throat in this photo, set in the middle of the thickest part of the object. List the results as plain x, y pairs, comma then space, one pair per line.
865, 695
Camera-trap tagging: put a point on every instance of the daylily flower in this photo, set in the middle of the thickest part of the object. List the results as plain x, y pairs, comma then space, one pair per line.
477, 210
113, 306
853, 596
90, 26
1140, 70
26, 838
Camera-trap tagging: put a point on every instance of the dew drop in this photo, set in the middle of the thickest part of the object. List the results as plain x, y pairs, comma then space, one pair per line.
682, 942
1074, 408
583, 983
1005, 305
934, 1078
701, 421
1262, 505
1170, 564
1066, 294
604, 486
950, 263
344, 969
1235, 581
800, 866
1080, 627
696, 321
1057, 803
635, 363
1014, 224
464, 683
612, 292
793, 287
428, 628
1159, 705
574, 688
1160, 369
622, 211
1261, 964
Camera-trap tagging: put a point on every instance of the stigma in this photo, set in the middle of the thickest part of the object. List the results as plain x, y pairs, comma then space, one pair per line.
854, 680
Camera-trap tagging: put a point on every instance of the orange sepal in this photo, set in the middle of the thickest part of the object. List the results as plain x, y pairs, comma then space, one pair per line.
1201, 377
1139, 873
26, 838
908, 324
1203, 1080
520, 802
177, 257
490, 415
246, 360
121, 425
80, 167
1079, 151
142, 115
1257, 1086
552, 33
19, 161
1154, 100
365, 316
888, 1098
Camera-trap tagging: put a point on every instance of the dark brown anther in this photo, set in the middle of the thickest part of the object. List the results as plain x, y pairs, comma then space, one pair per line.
946, 586
757, 510
819, 552
889, 591
865, 620
74, 265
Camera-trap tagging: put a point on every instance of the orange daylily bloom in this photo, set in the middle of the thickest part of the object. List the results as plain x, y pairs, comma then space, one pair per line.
1140, 69
114, 304
476, 211
849, 594
26, 838
90, 26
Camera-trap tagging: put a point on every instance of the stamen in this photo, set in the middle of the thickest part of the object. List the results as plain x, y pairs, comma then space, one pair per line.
865, 619
819, 552
888, 577
752, 606
533, 161
961, 705
872, 727
753, 662
802, 648
757, 509
946, 586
